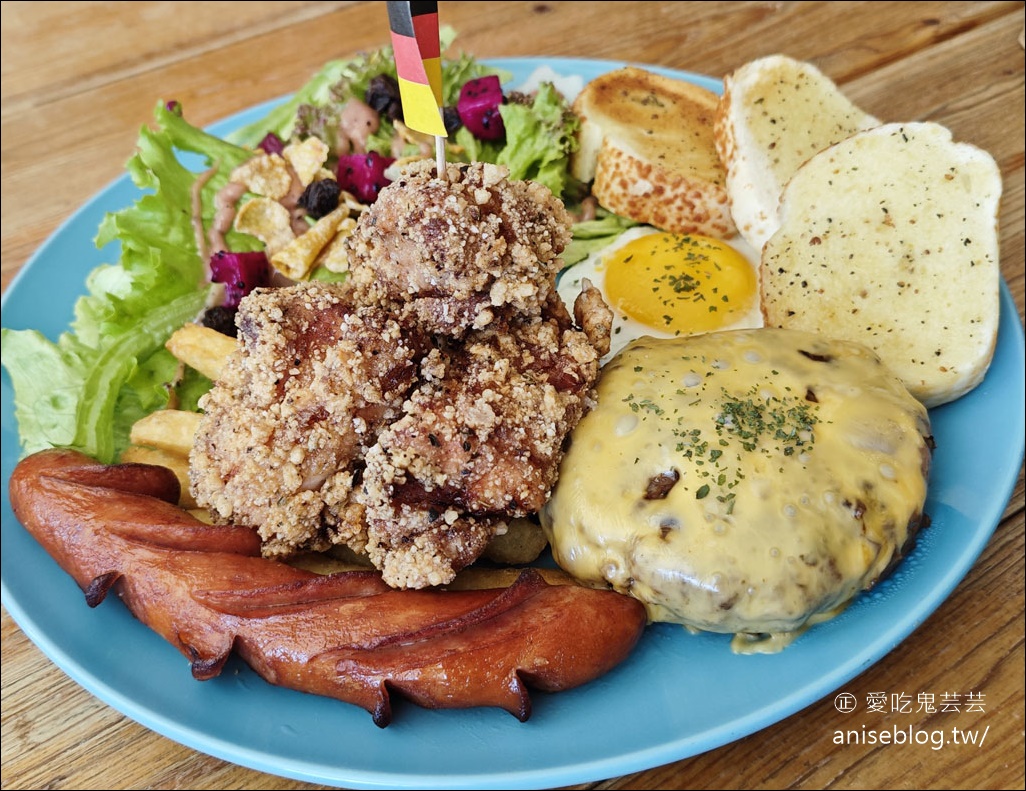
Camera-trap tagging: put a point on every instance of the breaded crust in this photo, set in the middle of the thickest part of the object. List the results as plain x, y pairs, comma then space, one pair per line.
313, 380
450, 253
646, 142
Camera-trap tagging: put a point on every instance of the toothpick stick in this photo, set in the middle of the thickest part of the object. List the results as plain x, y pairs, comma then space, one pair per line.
440, 157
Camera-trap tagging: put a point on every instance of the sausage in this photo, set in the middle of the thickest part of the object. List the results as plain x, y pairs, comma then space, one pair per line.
206, 590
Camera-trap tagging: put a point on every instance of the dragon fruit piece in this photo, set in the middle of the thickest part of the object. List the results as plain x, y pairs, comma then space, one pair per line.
240, 273
478, 107
271, 144
363, 175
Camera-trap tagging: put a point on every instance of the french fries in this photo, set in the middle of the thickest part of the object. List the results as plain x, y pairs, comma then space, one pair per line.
470, 578
201, 348
338, 558
482, 577
170, 430
164, 438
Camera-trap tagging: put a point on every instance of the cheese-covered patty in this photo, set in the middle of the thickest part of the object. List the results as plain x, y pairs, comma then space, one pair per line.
743, 481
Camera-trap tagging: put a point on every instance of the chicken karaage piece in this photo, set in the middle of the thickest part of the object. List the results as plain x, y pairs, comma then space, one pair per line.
285, 428
450, 254
479, 443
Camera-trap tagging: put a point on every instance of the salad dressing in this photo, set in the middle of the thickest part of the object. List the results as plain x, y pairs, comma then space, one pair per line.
357, 123
291, 202
225, 206
196, 197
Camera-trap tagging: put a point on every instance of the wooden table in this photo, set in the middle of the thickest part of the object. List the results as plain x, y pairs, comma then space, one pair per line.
80, 78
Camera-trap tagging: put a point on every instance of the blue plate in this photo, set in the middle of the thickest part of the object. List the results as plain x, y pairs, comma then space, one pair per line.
676, 696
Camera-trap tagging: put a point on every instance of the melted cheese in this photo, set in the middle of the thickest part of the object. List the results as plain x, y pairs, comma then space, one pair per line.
747, 482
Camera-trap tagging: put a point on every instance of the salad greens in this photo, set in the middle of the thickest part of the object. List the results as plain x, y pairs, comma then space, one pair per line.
539, 139
540, 135
85, 390
110, 368
591, 236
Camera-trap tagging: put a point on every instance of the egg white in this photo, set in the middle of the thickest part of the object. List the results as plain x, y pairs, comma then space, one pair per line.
625, 328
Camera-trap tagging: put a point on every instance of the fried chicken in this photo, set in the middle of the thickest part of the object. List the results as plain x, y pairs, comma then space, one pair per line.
285, 428
479, 443
412, 412
448, 254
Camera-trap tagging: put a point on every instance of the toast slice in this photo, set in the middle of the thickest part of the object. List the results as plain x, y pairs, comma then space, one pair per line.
646, 142
774, 114
890, 238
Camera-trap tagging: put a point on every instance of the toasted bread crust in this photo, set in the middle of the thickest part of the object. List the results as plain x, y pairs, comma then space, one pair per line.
637, 188
775, 113
890, 238
646, 141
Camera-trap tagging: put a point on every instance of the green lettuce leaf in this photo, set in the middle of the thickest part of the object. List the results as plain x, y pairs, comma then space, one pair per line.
281, 120
540, 137
46, 406
110, 368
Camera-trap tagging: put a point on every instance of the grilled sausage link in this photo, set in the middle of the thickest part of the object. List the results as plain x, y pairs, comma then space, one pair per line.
207, 591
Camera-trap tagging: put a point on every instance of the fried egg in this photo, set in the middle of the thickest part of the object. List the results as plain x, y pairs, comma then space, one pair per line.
667, 285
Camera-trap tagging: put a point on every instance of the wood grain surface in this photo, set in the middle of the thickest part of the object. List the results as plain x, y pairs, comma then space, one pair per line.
80, 78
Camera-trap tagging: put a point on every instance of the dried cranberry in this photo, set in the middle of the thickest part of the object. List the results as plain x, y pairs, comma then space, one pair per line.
271, 144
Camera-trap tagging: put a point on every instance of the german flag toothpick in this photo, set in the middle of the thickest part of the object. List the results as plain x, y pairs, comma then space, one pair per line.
418, 62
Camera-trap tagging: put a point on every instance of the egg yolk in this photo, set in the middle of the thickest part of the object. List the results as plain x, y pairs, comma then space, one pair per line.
680, 284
